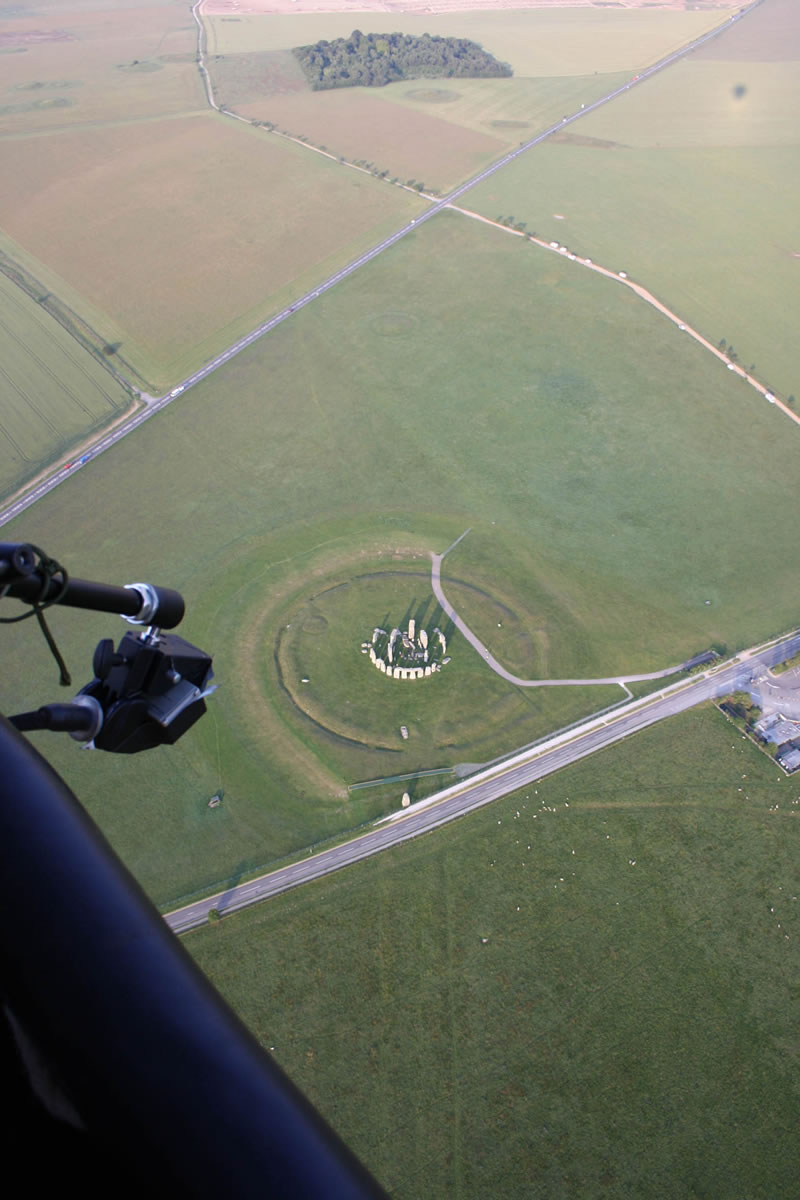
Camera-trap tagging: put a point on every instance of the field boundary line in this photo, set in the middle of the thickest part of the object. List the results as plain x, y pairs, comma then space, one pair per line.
642, 292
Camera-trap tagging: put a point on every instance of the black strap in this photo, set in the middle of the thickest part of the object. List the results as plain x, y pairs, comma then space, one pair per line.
49, 568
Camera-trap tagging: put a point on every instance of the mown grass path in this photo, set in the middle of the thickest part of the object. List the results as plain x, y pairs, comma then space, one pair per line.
498, 668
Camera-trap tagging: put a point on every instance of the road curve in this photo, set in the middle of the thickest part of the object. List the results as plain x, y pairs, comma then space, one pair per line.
495, 782
111, 438
499, 669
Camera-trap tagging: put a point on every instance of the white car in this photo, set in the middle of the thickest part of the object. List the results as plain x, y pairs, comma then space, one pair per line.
176, 391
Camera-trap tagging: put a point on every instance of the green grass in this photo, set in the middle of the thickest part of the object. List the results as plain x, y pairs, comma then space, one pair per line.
615, 477
689, 184
705, 103
54, 392
348, 715
586, 990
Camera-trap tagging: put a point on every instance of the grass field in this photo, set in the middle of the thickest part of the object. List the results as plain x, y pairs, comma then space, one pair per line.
586, 990
54, 392
689, 184
244, 220
615, 476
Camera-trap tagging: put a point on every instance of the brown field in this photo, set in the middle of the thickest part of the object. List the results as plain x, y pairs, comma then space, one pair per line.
213, 8
404, 142
770, 34
178, 228
99, 64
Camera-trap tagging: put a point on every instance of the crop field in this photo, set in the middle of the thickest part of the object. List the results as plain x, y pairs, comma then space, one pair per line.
408, 144
617, 481
54, 392
68, 63
535, 42
585, 990
771, 34
440, 132
688, 184
219, 257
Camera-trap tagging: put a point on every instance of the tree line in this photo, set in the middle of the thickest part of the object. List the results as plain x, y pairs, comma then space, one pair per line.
375, 59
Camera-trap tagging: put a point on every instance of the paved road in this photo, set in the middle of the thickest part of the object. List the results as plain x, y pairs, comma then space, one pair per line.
155, 405
499, 669
524, 769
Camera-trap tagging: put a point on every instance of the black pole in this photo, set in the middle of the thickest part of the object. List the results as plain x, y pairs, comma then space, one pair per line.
155, 1063
162, 606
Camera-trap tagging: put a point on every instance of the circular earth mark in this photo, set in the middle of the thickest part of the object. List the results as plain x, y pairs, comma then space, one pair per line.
394, 324
328, 695
433, 95
315, 623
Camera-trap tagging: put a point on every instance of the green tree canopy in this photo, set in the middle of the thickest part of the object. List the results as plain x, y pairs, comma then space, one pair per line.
373, 60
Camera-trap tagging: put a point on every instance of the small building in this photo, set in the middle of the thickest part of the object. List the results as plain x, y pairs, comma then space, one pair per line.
777, 729
789, 757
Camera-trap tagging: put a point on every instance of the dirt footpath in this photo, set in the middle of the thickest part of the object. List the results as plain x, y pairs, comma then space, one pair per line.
231, 8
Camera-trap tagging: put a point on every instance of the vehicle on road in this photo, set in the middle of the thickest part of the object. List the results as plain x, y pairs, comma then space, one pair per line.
176, 391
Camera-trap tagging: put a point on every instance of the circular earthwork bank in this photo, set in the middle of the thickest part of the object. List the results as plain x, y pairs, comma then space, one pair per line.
324, 676
394, 324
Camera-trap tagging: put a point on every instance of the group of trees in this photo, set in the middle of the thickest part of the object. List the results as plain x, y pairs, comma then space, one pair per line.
375, 59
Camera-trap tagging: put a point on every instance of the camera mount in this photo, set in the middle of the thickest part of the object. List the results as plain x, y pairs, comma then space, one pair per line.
148, 691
